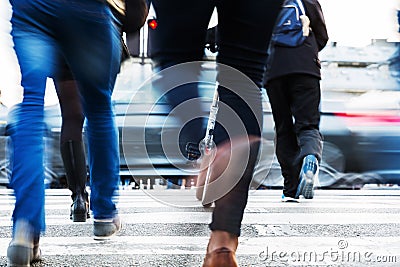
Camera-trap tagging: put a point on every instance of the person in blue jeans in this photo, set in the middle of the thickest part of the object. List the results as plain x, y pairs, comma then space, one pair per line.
72, 147
244, 31
83, 33
293, 86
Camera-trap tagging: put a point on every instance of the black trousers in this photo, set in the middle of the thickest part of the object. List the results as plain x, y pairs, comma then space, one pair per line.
244, 31
295, 103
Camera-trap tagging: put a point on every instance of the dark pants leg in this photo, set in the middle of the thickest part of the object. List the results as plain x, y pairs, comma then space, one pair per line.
286, 144
179, 38
244, 30
295, 101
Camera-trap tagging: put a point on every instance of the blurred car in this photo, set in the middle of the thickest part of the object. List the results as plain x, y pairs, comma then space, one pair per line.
4, 162
51, 177
361, 136
361, 141
360, 125
371, 115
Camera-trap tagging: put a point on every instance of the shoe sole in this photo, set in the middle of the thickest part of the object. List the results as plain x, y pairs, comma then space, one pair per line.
79, 217
308, 187
104, 238
76, 217
290, 200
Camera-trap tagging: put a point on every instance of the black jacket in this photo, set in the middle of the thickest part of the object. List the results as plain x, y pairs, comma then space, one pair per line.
304, 58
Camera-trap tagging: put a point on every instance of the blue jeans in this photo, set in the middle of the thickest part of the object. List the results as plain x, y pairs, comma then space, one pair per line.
82, 32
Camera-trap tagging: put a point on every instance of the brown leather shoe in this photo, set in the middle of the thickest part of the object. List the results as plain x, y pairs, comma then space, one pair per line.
221, 257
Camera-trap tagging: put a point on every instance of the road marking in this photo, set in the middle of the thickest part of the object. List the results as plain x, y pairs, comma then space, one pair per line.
152, 245
248, 218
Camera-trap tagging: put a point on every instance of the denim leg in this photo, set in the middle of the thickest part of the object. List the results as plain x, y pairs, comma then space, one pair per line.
27, 125
95, 66
102, 137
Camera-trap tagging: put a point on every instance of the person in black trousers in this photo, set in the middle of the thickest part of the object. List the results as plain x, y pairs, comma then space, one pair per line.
244, 31
293, 87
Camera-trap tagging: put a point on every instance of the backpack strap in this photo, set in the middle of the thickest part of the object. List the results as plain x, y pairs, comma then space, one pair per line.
301, 6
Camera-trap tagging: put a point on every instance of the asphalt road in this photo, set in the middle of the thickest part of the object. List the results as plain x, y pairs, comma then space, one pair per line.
169, 228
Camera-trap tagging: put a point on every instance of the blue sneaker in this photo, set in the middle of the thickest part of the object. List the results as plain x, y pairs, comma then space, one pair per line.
308, 175
289, 199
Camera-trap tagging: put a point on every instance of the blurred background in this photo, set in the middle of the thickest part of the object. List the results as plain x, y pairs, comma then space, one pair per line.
360, 105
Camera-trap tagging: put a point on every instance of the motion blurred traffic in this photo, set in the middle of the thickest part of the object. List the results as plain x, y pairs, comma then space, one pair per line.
360, 121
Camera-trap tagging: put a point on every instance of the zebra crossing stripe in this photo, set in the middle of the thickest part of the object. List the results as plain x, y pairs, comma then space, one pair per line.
262, 247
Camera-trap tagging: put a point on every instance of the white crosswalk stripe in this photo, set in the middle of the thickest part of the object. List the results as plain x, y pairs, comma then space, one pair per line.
338, 228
